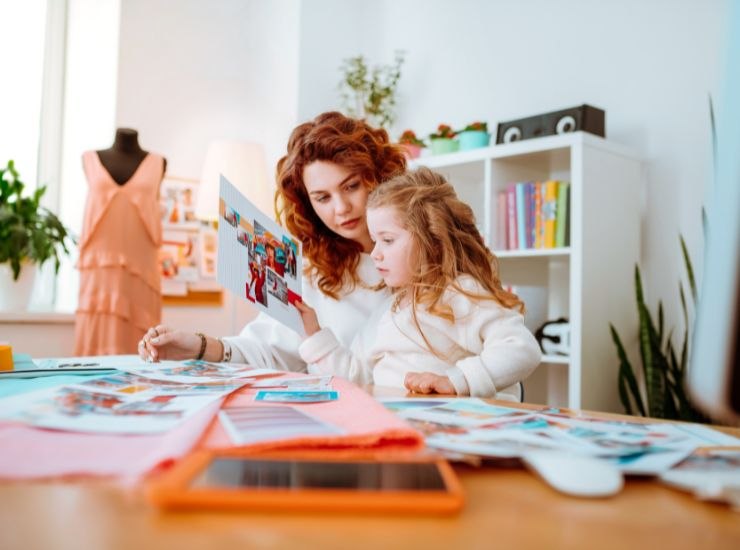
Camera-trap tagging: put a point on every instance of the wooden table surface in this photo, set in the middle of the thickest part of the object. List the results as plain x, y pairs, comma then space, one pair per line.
504, 507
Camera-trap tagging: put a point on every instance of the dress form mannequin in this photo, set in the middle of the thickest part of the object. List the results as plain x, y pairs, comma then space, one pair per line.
125, 155
120, 280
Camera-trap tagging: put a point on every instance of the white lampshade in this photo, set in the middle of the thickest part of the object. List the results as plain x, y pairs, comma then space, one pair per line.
243, 164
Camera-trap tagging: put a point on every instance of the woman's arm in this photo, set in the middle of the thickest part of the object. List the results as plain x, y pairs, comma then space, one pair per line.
267, 343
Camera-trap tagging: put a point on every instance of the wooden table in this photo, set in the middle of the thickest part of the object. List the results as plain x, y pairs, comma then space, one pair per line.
504, 507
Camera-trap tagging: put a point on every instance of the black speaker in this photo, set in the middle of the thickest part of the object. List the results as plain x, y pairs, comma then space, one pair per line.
584, 117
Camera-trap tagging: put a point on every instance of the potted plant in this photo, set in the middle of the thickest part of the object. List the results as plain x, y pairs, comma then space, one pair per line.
368, 93
443, 140
29, 235
474, 135
411, 144
664, 367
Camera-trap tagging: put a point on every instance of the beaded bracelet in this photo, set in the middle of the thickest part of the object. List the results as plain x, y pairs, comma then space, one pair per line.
203, 341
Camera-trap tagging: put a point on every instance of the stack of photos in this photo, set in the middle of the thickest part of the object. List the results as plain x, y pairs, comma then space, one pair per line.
257, 259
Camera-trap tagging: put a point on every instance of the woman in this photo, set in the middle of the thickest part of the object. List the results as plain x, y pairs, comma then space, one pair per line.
332, 164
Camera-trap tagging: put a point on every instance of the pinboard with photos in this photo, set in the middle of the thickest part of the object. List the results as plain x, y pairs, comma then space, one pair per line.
187, 257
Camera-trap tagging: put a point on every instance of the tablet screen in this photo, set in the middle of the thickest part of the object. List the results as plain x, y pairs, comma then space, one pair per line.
279, 474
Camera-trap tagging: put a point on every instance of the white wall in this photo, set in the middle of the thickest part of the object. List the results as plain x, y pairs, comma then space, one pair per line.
649, 64
191, 72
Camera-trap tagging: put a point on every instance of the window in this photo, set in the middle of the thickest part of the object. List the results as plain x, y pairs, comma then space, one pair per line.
62, 59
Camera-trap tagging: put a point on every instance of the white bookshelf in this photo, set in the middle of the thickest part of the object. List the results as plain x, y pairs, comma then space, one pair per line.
591, 281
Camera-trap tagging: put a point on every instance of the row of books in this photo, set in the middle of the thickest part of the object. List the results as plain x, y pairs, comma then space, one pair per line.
533, 215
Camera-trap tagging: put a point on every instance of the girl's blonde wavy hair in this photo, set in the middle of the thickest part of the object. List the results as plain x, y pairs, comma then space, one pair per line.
448, 243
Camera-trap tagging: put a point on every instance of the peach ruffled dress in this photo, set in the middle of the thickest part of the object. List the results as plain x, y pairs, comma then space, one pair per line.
120, 291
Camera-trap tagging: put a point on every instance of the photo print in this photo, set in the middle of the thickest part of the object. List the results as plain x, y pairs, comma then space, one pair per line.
231, 216
277, 286
290, 247
244, 238
256, 291
177, 197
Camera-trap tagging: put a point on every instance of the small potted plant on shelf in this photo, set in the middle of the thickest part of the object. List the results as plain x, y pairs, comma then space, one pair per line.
474, 135
369, 92
411, 144
443, 140
29, 235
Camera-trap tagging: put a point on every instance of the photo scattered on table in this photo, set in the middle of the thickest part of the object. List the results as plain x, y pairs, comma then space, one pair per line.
296, 396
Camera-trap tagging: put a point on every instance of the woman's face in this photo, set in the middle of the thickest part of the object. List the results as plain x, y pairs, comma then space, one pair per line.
339, 199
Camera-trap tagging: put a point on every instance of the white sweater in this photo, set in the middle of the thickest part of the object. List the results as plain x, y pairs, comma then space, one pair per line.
487, 349
266, 343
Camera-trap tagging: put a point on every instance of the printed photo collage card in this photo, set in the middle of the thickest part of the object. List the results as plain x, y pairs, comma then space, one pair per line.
257, 259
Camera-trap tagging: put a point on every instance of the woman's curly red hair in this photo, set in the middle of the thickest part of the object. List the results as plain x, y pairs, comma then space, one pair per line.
357, 147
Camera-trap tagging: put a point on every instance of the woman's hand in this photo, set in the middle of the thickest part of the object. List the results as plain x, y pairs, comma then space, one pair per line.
309, 318
161, 342
428, 382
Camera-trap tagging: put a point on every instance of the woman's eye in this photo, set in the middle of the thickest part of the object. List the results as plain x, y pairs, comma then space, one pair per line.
388, 241
322, 198
353, 186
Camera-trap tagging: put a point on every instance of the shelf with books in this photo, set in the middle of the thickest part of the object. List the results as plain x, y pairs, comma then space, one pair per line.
588, 281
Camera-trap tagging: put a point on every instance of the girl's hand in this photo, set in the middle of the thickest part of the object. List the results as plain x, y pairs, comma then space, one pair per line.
161, 342
309, 318
428, 382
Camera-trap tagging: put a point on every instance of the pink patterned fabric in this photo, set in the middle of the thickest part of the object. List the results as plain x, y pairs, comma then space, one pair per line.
120, 293
366, 423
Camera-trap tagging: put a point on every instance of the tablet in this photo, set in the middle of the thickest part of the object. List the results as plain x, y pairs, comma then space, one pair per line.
259, 482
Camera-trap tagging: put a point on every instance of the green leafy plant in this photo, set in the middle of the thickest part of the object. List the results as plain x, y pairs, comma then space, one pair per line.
28, 231
444, 131
664, 369
476, 127
370, 93
408, 137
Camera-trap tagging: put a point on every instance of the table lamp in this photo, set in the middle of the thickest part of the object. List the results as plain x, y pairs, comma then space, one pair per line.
243, 164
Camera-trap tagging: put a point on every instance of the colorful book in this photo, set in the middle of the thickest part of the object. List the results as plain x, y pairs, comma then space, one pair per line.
502, 240
562, 222
539, 233
530, 214
521, 215
511, 218
549, 208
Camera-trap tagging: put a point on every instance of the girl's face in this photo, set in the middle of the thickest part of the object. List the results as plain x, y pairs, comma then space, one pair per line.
395, 252
339, 198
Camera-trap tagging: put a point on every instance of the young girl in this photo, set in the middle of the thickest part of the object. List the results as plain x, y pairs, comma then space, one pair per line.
448, 327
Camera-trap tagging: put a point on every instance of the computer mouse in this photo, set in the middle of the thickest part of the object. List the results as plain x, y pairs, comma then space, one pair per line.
574, 474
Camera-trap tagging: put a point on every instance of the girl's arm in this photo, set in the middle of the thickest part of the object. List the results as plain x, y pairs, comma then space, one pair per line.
324, 353
505, 351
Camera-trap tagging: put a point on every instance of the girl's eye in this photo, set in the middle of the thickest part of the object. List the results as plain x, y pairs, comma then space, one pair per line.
388, 241
322, 198
353, 186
